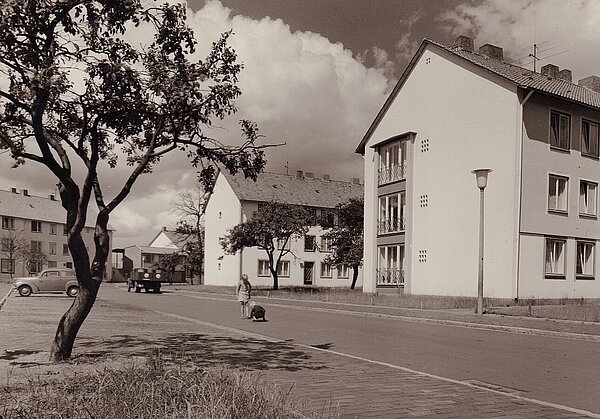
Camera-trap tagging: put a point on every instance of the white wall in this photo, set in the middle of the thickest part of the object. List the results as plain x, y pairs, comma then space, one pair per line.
222, 212
162, 240
471, 122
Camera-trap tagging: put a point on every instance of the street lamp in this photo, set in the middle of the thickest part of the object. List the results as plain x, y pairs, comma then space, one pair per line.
481, 175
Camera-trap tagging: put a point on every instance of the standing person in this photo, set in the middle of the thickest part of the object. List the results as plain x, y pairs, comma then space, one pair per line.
243, 294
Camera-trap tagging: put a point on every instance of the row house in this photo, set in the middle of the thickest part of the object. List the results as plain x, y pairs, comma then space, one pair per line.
39, 224
234, 199
455, 110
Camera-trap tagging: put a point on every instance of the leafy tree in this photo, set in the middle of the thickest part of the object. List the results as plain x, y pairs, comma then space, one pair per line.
34, 259
12, 246
167, 263
80, 96
347, 236
271, 229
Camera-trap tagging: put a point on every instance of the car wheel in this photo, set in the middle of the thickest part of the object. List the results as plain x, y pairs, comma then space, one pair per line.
25, 291
73, 291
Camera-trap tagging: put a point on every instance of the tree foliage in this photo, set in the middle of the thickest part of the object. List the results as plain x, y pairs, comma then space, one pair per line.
347, 236
81, 95
271, 229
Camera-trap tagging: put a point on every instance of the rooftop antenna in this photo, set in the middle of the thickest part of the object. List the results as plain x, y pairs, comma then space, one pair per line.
535, 57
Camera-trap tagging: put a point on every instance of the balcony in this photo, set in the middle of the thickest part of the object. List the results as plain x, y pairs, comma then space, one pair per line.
390, 277
393, 173
391, 225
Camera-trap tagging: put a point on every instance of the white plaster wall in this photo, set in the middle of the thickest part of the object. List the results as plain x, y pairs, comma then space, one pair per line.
223, 211
471, 122
162, 241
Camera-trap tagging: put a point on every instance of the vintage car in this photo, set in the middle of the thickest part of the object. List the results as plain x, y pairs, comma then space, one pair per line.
49, 280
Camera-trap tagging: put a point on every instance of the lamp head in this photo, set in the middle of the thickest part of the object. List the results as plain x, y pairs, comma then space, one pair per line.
481, 175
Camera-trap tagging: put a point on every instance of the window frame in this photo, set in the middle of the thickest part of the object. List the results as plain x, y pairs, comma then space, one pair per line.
587, 153
555, 275
8, 223
322, 273
36, 246
578, 266
65, 249
566, 192
51, 248
280, 271
314, 243
7, 266
326, 244
340, 269
53, 229
593, 214
266, 272
38, 226
569, 118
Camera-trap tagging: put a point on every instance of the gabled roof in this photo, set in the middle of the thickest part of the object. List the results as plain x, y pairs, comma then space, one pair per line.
30, 207
312, 192
176, 238
153, 250
519, 76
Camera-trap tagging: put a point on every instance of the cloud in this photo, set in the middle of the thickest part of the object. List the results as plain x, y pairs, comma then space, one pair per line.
566, 31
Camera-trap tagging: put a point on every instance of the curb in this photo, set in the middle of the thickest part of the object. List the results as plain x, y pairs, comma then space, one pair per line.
3, 300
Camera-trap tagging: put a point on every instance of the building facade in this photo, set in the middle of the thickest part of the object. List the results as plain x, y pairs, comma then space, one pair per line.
37, 223
455, 110
233, 201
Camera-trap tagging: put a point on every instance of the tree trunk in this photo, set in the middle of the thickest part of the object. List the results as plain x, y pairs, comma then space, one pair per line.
354, 276
89, 279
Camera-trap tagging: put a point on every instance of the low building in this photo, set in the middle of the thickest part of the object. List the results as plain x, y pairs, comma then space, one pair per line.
233, 201
38, 223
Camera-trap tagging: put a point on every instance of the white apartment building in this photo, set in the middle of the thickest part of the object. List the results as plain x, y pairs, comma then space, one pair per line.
40, 222
233, 201
455, 110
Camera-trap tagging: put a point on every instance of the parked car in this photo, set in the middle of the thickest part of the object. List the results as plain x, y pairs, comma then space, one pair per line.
49, 280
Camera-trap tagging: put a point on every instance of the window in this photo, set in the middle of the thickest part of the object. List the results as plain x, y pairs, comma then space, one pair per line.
263, 268
36, 226
587, 197
328, 217
555, 258
342, 272
65, 249
36, 266
8, 223
326, 244
283, 244
392, 162
7, 244
391, 213
65, 230
36, 246
53, 228
309, 243
69, 265
560, 130
312, 216
51, 248
585, 259
325, 270
283, 268
7, 266
148, 258
390, 265
589, 138
557, 193
52, 264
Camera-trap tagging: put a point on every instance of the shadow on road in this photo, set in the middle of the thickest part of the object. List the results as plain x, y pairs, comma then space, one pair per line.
206, 350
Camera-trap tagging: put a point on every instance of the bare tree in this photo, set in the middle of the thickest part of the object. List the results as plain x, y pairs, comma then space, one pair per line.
12, 246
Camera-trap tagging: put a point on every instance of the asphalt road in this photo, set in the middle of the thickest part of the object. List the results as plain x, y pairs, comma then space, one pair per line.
551, 369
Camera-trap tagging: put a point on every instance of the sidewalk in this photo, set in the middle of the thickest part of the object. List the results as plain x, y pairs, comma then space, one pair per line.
327, 382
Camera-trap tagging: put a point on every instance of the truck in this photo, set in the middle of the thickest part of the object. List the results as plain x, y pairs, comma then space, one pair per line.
144, 278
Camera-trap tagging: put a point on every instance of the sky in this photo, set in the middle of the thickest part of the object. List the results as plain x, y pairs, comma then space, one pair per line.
316, 72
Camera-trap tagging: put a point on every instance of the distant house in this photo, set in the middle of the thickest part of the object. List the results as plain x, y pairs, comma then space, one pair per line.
40, 222
233, 201
455, 110
148, 257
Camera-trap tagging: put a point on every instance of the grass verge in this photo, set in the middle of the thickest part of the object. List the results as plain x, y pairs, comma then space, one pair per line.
155, 390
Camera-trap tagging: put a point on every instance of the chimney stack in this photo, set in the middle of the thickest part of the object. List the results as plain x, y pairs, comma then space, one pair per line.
565, 75
355, 181
550, 70
51, 197
492, 51
326, 177
464, 43
14, 190
591, 82
25, 192
309, 175
299, 174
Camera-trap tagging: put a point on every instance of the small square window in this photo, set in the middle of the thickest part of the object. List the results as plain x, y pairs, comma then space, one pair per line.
36, 226
8, 223
557, 193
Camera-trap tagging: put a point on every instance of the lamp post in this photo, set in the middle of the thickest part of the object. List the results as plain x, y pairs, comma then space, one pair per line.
481, 175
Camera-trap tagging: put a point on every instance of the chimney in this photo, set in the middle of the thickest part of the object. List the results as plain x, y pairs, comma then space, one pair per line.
326, 177
565, 75
309, 175
164, 228
549, 70
14, 190
299, 174
51, 197
464, 43
492, 51
25, 192
355, 181
591, 82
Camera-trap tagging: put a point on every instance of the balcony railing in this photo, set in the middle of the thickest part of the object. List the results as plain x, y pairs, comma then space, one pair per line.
392, 173
390, 276
391, 225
